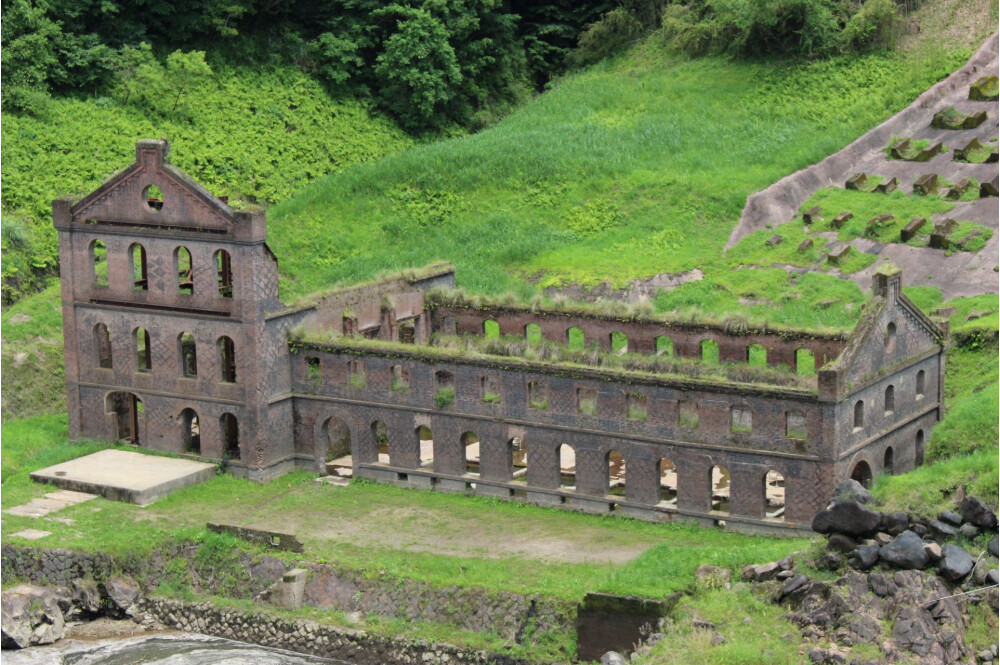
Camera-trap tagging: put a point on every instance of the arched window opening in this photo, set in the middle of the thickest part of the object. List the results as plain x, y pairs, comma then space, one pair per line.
795, 425
575, 339
921, 383
668, 482
426, 442
918, 448
719, 477
890, 399
188, 354
102, 346
380, 435
138, 255
586, 401
740, 420
774, 495
400, 379
99, 262
230, 430
227, 360
619, 342
314, 369
490, 389
859, 414
890, 337
537, 395
757, 355
664, 346
470, 444
184, 270
805, 361
356, 374
567, 467
224, 273
710, 351
445, 384
687, 414
637, 407
616, 473
143, 353
887, 461
338, 459
862, 473
533, 334
519, 460
491, 329
128, 412
191, 431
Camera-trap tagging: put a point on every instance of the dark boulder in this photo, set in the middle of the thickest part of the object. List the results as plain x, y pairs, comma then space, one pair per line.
122, 592
993, 546
895, 523
905, 551
864, 557
919, 529
848, 517
955, 563
830, 561
942, 531
978, 513
968, 531
852, 491
838, 542
993, 577
950, 517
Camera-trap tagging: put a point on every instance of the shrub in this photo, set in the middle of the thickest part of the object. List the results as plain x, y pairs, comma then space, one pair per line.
444, 397
876, 24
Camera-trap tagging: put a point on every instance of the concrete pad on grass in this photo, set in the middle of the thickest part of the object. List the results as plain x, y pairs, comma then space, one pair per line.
121, 475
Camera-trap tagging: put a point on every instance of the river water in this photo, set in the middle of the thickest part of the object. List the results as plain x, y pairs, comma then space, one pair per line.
179, 649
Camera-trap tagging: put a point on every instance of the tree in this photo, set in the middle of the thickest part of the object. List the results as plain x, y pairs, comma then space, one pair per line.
134, 68
185, 71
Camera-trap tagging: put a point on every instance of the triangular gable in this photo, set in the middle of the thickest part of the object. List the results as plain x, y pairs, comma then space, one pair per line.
124, 197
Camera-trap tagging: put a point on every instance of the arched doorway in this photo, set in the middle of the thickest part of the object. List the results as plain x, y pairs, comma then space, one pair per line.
567, 466
668, 482
862, 473
774, 495
425, 440
616, 473
887, 461
229, 427
338, 460
719, 478
190, 431
127, 414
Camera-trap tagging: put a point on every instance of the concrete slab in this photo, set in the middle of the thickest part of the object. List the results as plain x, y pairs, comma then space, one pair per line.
121, 475
31, 534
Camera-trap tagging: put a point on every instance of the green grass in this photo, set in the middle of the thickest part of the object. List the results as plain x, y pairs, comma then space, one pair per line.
865, 206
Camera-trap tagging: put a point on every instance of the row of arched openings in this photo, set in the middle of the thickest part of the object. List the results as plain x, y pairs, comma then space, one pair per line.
187, 349
756, 354
889, 400
229, 433
183, 268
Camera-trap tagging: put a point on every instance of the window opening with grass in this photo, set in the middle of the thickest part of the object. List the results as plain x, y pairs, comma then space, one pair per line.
805, 361
470, 444
314, 369
188, 351
102, 346
567, 466
575, 339
445, 384
227, 359
719, 479
795, 425
637, 407
491, 329
668, 482
99, 262
191, 431
616, 473
356, 373
710, 351
757, 355
224, 273
400, 379
774, 495
184, 271
230, 429
152, 196
380, 436
664, 346
619, 342
425, 442
533, 334
143, 352
490, 387
687, 412
138, 254
740, 420
586, 401
537, 395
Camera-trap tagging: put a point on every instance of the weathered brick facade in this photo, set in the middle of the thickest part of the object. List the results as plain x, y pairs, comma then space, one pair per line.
184, 346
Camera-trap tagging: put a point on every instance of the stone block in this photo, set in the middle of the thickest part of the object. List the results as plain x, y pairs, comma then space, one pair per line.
876, 224
909, 231
543, 498
962, 154
805, 245
449, 485
839, 256
840, 219
984, 90
887, 186
973, 120
857, 182
991, 188
959, 190
774, 241
811, 215
926, 185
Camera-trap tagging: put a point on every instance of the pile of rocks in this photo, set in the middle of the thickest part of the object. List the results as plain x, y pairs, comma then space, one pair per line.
899, 541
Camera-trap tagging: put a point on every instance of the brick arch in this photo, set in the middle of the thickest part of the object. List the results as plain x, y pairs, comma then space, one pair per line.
361, 448
861, 457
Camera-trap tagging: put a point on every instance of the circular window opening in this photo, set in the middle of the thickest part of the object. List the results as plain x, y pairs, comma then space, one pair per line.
890, 337
153, 198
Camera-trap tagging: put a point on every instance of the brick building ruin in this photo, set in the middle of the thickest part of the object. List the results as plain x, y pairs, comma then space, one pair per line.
176, 340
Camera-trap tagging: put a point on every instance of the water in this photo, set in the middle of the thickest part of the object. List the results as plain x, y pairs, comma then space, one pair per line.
186, 649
